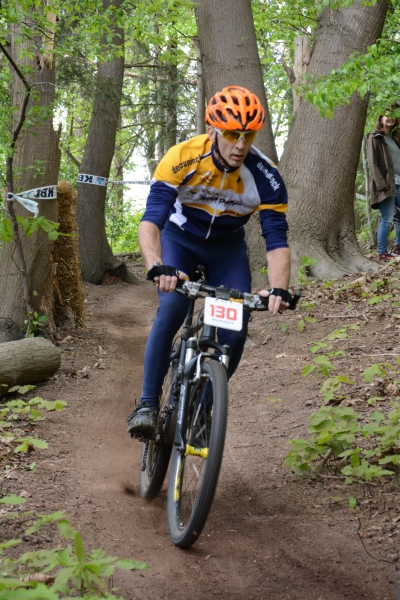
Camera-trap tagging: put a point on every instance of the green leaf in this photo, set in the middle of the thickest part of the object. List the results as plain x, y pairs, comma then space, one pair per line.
352, 502
307, 370
310, 319
66, 530
370, 372
13, 499
9, 544
300, 325
79, 550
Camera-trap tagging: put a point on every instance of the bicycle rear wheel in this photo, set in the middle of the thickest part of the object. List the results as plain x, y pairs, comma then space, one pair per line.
194, 474
155, 456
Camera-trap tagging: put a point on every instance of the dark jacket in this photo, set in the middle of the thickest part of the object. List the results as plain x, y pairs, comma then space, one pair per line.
380, 168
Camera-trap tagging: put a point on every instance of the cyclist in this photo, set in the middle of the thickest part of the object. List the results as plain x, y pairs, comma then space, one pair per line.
203, 192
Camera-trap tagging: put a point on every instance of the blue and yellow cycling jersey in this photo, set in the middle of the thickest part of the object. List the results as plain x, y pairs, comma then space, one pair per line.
192, 189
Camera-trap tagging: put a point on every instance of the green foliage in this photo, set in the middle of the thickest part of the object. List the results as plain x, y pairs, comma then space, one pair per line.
338, 439
333, 385
15, 412
375, 370
336, 432
305, 263
68, 572
374, 74
333, 431
32, 224
321, 365
122, 229
35, 321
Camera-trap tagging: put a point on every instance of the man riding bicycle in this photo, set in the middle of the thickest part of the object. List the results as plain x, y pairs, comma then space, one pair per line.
203, 192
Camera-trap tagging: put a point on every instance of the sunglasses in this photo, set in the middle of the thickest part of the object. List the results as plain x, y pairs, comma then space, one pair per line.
235, 136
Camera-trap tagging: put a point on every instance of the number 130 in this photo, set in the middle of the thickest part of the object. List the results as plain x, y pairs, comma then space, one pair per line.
220, 312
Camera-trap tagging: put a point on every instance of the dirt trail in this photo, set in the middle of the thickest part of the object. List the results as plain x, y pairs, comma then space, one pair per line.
270, 535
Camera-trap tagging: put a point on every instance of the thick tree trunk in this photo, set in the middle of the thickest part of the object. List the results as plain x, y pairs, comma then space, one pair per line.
320, 160
229, 56
96, 254
27, 361
36, 146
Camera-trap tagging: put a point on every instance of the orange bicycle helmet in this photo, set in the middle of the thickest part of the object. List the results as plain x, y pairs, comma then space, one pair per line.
236, 109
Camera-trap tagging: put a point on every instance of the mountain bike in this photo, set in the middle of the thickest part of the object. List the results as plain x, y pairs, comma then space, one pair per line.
192, 421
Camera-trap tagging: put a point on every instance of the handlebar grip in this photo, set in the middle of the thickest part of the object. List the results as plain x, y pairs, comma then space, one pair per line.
295, 299
236, 294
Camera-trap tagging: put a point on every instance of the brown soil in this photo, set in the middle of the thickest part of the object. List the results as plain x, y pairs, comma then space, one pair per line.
270, 534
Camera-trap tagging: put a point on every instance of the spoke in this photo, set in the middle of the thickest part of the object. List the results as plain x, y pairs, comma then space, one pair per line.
200, 431
196, 471
196, 416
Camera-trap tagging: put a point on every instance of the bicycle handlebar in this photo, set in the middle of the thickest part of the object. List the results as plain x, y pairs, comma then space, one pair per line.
193, 289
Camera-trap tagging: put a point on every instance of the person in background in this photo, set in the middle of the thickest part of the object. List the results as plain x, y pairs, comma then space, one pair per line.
384, 167
396, 221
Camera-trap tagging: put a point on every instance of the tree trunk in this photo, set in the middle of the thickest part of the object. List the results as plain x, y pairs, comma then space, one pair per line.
36, 147
319, 163
229, 56
27, 361
201, 99
96, 254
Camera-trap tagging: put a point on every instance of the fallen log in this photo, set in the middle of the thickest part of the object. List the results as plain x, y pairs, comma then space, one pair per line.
27, 361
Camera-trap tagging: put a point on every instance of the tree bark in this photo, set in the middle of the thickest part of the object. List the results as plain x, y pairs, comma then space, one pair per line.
96, 254
201, 99
37, 146
302, 53
319, 163
27, 361
229, 56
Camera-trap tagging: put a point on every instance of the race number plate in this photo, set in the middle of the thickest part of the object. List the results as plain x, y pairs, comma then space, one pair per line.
223, 313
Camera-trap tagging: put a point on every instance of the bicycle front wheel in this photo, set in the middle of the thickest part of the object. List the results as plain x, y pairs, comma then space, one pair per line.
155, 456
194, 473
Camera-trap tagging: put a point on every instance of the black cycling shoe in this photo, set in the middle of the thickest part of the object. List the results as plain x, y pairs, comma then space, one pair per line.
143, 420
200, 437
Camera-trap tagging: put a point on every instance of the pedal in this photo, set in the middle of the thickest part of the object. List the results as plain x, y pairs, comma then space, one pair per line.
142, 436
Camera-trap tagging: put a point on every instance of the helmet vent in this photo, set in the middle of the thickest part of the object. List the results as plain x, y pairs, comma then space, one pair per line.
221, 116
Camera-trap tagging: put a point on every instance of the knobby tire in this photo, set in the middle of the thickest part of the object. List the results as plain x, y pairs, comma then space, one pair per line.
191, 488
158, 455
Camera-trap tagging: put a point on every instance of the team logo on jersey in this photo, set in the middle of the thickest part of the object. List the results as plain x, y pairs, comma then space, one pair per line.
186, 163
274, 184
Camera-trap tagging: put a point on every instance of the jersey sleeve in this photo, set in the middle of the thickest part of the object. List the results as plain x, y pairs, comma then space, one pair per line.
273, 206
163, 190
173, 170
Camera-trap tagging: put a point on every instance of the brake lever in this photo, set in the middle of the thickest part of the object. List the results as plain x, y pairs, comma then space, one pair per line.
295, 299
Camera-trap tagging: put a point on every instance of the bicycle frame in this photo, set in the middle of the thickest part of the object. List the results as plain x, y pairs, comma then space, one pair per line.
189, 366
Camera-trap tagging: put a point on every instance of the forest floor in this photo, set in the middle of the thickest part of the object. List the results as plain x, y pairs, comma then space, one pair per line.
271, 533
